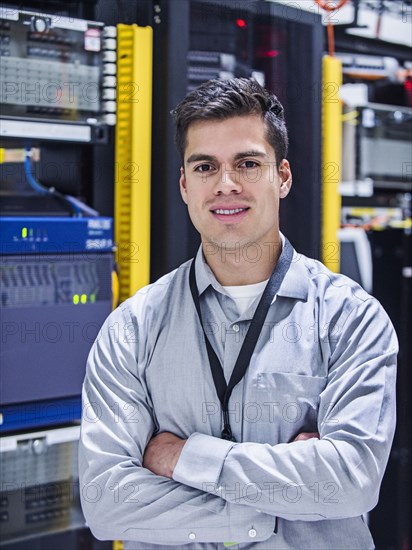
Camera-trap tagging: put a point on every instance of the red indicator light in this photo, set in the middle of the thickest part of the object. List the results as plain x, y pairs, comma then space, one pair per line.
408, 85
271, 53
241, 23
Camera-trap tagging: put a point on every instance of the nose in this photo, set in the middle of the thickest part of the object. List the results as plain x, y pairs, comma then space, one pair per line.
228, 182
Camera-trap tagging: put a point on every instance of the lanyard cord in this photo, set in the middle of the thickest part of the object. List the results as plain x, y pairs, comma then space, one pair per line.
223, 390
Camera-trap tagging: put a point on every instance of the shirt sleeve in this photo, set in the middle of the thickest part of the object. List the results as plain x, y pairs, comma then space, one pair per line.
338, 475
120, 498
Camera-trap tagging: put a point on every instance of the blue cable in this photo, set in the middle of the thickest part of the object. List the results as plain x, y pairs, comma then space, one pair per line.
36, 186
46, 190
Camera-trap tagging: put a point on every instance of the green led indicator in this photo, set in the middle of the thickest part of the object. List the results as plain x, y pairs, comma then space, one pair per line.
83, 298
24, 232
92, 298
76, 299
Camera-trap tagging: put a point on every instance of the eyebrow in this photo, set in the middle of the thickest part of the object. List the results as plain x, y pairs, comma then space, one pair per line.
196, 157
259, 154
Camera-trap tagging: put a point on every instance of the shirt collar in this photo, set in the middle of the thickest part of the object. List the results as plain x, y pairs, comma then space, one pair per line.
294, 284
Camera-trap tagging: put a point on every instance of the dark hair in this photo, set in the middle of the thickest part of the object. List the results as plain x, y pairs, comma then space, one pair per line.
222, 99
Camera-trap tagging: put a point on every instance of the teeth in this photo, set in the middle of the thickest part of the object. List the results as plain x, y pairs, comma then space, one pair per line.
227, 212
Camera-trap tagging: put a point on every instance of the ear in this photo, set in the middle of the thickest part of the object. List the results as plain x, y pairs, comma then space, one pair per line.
182, 184
285, 175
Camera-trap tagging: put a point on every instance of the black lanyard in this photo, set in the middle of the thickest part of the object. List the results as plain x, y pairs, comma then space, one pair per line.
223, 390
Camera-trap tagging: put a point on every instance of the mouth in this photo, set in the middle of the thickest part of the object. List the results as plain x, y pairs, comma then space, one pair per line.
230, 214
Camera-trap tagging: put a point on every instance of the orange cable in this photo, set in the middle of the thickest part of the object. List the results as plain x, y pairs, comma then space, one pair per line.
329, 6
331, 40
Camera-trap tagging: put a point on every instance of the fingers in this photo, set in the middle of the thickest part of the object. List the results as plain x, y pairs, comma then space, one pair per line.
307, 435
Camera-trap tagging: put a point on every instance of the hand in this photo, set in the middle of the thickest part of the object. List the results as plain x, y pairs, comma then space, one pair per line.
162, 453
306, 435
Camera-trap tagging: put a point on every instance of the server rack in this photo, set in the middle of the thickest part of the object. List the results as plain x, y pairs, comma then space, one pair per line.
39, 489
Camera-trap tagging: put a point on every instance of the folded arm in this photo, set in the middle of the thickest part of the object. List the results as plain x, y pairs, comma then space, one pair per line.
122, 499
336, 476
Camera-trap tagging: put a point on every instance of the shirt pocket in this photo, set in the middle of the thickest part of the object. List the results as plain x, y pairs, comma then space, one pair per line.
282, 405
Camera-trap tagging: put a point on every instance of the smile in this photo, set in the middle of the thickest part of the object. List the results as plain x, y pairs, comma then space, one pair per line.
230, 214
227, 212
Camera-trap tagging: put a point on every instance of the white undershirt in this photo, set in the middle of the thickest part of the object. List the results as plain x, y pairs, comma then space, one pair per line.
245, 295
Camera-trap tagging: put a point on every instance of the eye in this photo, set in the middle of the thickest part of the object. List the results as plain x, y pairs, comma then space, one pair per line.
204, 168
249, 164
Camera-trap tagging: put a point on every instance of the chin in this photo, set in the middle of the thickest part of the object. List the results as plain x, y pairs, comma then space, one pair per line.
228, 244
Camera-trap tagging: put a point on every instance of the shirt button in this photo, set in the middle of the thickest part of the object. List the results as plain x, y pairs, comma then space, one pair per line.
235, 328
252, 533
192, 536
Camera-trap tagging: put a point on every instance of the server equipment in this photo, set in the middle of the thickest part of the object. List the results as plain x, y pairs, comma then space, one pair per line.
58, 76
39, 484
377, 146
205, 65
377, 162
56, 291
58, 104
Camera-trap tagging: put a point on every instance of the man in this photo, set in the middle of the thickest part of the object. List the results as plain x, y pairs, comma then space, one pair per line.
193, 438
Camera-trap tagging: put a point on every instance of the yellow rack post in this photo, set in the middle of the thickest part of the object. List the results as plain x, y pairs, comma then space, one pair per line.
331, 162
133, 156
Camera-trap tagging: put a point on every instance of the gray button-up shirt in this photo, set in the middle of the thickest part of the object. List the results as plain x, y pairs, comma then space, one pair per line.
325, 361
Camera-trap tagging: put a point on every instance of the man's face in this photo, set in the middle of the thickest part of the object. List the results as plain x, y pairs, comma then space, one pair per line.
231, 184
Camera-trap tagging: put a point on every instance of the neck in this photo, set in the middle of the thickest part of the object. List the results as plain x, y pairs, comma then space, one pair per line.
242, 265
